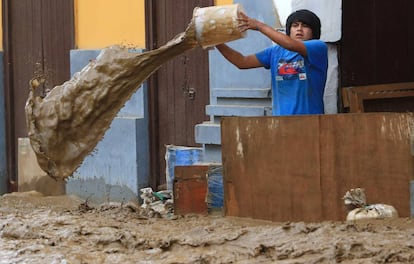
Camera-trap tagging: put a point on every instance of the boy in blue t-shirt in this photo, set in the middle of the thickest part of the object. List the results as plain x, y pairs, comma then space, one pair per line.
298, 64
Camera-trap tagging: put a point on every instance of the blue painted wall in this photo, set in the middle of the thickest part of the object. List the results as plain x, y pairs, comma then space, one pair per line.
119, 165
412, 198
225, 75
3, 157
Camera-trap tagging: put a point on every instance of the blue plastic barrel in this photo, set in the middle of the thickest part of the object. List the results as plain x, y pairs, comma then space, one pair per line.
180, 156
215, 197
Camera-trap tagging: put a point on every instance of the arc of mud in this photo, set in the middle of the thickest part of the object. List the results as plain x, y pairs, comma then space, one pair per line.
67, 124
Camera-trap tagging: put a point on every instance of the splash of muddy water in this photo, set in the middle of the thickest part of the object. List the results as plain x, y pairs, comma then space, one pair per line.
66, 125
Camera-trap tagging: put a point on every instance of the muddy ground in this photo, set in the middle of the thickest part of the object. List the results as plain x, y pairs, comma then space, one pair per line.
65, 229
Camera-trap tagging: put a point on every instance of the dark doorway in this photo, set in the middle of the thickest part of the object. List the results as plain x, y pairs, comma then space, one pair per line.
179, 90
38, 36
377, 41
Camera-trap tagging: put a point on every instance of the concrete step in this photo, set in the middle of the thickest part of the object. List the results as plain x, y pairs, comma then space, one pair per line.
235, 110
212, 153
208, 133
241, 92
245, 102
241, 96
229, 102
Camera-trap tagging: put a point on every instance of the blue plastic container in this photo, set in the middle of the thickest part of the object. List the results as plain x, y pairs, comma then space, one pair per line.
215, 196
180, 156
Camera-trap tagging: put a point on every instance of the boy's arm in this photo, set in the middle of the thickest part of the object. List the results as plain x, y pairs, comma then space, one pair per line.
283, 40
237, 59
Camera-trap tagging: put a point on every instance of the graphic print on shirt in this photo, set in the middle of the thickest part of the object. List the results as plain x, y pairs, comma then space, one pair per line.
291, 70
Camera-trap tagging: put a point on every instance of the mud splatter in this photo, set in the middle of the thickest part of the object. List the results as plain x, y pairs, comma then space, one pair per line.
72, 118
67, 124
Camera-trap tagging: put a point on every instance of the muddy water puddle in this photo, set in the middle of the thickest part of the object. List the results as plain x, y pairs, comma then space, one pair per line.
37, 229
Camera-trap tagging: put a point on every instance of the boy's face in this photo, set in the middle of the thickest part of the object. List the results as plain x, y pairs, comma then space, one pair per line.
300, 31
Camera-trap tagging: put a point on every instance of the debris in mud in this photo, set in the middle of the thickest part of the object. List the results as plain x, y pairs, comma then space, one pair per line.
84, 207
157, 204
355, 200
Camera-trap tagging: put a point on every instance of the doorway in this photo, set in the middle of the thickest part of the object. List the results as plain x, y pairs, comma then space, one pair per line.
38, 36
179, 90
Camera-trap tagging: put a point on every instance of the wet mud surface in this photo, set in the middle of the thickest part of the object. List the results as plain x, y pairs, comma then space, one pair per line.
66, 229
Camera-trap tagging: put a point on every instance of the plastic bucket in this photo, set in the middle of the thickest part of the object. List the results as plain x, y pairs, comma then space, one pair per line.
217, 24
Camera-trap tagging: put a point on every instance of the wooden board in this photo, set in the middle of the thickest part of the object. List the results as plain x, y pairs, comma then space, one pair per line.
392, 97
297, 168
190, 190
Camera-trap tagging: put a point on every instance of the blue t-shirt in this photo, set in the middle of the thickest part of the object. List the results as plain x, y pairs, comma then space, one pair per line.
298, 83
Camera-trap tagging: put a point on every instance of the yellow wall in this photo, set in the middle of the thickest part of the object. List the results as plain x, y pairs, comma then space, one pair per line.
224, 2
102, 23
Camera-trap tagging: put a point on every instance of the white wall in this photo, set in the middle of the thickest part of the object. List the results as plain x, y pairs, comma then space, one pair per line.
329, 11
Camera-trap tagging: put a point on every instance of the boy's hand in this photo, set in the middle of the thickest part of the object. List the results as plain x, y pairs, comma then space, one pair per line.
246, 23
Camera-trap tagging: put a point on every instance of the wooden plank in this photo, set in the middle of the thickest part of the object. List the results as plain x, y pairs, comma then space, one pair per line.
190, 190
269, 165
38, 35
370, 151
399, 96
298, 168
57, 18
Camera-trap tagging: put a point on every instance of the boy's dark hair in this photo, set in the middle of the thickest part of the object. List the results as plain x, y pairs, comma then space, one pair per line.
307, 17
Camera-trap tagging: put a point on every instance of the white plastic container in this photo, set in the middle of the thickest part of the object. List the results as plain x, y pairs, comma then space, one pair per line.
217, 24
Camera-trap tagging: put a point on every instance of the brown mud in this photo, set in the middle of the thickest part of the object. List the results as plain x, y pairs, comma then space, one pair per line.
65, 229
67, 124
71, 119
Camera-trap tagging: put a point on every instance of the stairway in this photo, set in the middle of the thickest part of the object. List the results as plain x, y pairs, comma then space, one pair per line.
227, 102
